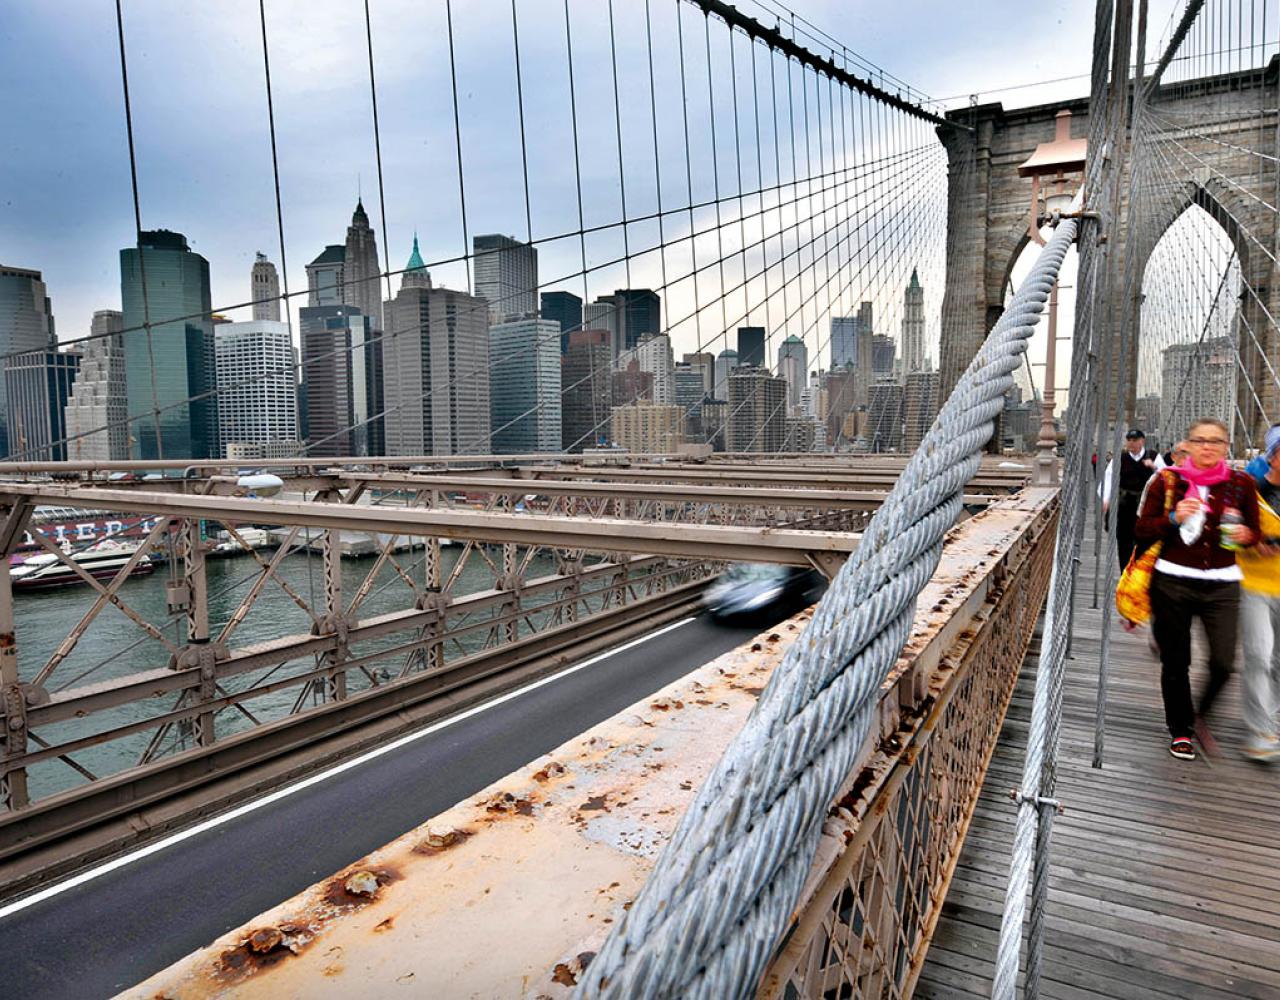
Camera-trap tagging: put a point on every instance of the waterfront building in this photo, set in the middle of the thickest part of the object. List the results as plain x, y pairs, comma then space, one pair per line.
257, 396
566, 309
169, 368
585, 389
757, 419
689, 387
26, 324
37, 385
506, 276
793, 365
913, 357
648, 428
436, 368
264, 286
97, 411
841, 387
524, 386
800, 435
630, 384
883, 356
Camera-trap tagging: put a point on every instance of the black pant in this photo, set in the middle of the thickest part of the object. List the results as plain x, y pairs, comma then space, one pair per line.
1174, 602
1126, 519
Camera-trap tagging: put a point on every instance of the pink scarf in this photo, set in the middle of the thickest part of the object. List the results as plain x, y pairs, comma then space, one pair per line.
1204, 477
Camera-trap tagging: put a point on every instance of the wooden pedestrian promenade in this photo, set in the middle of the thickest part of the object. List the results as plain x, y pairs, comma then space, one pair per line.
1166, 874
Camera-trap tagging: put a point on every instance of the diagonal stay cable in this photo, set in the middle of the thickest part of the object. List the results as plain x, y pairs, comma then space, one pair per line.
722, 893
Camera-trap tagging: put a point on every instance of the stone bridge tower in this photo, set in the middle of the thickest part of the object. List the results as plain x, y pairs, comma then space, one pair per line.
1213, 160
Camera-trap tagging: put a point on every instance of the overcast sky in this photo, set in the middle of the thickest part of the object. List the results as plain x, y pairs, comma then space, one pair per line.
200, 123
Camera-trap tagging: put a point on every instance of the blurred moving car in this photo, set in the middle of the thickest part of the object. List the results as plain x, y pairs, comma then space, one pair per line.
750, 591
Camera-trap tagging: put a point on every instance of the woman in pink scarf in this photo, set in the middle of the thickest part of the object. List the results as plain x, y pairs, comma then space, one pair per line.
1213, 513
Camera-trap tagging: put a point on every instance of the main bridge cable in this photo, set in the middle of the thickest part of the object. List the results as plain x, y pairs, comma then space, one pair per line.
722, 893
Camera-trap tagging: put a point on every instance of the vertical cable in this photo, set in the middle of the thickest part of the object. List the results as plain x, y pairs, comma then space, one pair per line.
457, 136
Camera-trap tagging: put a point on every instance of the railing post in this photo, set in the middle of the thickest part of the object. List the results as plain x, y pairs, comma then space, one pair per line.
334, 685
13, 740
196, 584
13, 783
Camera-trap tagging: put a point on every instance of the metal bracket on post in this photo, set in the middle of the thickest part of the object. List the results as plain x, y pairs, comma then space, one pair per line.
1020, 797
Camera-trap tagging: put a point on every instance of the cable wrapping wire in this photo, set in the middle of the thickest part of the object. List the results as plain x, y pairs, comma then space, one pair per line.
707, 921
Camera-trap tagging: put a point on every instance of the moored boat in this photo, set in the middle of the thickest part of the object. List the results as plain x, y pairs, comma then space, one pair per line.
102, 561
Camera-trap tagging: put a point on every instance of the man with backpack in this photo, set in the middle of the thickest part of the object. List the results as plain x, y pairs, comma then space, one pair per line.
1137, 464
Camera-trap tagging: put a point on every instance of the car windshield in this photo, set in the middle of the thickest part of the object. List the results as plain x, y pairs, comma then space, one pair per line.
755, 573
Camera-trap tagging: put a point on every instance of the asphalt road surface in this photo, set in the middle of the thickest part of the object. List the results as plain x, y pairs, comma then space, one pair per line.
113, 931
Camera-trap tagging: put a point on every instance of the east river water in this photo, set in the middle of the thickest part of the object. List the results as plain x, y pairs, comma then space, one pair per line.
111, 648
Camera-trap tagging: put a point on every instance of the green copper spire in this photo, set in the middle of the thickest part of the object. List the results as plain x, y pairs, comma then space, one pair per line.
415, 258
915, 279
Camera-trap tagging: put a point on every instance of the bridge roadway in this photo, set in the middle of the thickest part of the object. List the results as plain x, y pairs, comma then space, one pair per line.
114, 930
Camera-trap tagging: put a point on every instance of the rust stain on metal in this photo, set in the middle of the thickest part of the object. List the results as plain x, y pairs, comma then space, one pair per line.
261, 949
507, 804
593, 803
552, 770
438, 843
357, 887
564, 975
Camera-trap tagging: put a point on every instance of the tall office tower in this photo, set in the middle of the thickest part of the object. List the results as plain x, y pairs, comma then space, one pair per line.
713, 415
726, 362
97, 410
648, 428
585, 389
689, 387
436, 369
338, 380
793, 365
883, 355
1197, 380
264, 287
566, 309
884, 417
751, 346
844, 330
169, 370
913, 325
37, 385
524, 386
842, 399
325, 276
653, 355
704, 362
257, 394
506, 275
629, 313
864, 353
920, 406
757, 411
26, 323
361, 270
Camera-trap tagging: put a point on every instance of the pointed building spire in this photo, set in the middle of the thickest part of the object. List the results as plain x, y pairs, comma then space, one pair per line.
415, 271
359, 216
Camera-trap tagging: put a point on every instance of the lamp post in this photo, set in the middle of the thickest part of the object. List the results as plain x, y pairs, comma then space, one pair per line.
1055, 169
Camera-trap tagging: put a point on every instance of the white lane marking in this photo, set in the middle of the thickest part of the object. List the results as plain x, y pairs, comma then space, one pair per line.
315, 779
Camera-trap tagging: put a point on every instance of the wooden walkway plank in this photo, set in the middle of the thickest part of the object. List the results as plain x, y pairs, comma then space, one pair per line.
1165, 880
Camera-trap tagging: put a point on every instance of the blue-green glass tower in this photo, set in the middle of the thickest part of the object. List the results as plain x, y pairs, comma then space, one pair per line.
173, 370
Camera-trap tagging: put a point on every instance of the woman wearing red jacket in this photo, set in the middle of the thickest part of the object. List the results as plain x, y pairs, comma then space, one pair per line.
1213, 513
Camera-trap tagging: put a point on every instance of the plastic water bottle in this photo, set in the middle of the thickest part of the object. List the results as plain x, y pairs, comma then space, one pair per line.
1230, 518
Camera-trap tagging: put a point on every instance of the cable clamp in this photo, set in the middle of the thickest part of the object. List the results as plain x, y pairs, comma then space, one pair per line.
1036, 800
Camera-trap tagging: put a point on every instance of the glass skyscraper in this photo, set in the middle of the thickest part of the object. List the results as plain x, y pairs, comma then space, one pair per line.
171, 373
26, 324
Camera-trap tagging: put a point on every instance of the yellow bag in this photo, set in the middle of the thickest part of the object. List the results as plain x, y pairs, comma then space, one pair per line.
1133, 592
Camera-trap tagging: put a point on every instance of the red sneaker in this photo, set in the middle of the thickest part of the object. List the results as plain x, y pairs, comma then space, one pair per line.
1182, 748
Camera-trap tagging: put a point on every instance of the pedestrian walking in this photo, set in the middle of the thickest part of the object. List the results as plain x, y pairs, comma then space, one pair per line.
1176, 455
1137, 464
1213, 514
1260, 611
